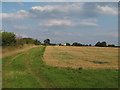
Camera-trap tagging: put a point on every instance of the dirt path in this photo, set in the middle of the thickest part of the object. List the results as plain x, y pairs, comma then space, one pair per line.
17, 51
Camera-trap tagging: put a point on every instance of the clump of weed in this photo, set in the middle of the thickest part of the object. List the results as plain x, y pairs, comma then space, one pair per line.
69, 68
48, 67
80, 68
55, 67
99, 62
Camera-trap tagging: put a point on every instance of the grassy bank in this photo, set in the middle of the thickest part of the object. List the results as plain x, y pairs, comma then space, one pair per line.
27, 70
11, 50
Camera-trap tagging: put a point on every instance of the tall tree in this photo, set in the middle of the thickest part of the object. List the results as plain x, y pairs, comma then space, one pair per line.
67, 44
101, 44
90, 45
97, 44
47, 41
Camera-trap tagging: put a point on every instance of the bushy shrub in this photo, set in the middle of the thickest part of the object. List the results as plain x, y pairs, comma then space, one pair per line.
8, 39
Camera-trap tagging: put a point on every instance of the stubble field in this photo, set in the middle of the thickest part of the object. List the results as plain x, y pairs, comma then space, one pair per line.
82, 57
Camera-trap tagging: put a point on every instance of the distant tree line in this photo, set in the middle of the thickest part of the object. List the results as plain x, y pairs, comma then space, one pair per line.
10, 39
98, 44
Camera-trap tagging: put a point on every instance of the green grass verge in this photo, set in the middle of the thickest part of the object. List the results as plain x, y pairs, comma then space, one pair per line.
27, 70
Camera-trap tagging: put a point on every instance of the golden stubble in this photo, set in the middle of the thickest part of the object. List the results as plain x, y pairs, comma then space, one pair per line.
83, 57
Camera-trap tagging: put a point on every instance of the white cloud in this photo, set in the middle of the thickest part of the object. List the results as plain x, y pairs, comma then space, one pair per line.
60, 8
57, 23
76, 10
21, 14
43, 8
107, 10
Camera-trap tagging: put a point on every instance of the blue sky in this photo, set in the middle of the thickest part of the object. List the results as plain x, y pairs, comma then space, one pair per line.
62, 22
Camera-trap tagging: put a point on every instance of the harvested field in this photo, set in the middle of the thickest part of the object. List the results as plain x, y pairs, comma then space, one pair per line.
82, 57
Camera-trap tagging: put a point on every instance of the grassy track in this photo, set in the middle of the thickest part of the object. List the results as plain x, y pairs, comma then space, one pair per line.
27, 70
17, 69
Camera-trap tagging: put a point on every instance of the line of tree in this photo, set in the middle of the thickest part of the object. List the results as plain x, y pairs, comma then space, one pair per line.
10, 39
98, 44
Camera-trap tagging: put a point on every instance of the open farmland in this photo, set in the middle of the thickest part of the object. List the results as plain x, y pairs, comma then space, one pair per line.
82, 57
28, 69
59, 44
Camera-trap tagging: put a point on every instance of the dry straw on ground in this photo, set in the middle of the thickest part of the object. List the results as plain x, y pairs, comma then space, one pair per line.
82, 57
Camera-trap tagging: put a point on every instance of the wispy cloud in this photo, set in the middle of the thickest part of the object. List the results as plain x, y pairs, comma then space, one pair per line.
21, 14
20, 3
20, 27
107, 10
57, 23
88, 24
67, 23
